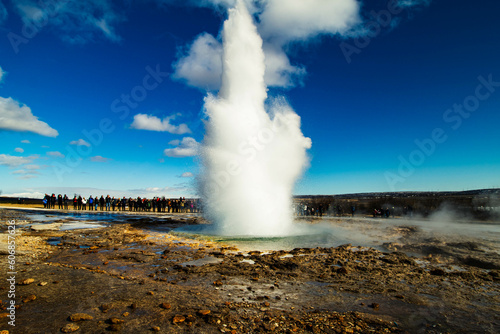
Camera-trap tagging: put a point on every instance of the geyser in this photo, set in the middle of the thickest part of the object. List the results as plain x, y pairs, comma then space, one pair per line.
252, 152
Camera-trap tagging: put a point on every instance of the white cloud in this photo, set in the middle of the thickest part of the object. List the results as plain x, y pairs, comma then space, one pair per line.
55, 154
79, 142
413, 3
2, 72
19, 150
14, 161
32, 167
75, 21
279, 71
292, 20
25, 141
25, 172
280, 22
186, 174
188, 147
153, 123
18, 117
174, 142
98, 158
201, 65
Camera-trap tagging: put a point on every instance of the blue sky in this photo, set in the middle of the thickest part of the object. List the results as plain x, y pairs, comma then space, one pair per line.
107, 96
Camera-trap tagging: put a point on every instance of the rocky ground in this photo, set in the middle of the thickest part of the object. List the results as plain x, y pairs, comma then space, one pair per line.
132, 277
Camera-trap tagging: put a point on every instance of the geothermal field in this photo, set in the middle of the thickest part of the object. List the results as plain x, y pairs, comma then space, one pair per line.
145, 272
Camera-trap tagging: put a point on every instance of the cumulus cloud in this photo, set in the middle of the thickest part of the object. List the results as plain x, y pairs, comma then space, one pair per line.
19, 150
187, 147
14, 161
290, 20
201, 65
153, 123
75, 21
280, 22
79, 142
55, 154
98, 158
18, 117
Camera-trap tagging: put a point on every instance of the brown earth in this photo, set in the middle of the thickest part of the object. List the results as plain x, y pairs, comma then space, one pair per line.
131, 277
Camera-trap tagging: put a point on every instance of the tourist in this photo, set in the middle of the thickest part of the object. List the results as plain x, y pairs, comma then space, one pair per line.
84, 204
91, 203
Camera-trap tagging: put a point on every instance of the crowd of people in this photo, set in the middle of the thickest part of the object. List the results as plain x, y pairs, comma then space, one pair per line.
108, 203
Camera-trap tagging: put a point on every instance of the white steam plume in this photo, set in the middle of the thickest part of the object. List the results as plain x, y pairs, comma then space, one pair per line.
251, 157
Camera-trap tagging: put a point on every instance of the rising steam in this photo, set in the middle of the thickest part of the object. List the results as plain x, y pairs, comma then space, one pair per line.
251, 156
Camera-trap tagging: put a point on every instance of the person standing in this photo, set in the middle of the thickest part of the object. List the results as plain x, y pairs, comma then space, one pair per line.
91, 203
65, 201
79, 202
75, 203
59, 202
84, 204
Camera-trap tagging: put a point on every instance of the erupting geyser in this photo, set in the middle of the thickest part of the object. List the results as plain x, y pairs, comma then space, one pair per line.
251, 156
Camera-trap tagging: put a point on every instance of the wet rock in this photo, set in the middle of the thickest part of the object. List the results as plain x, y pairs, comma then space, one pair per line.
80, 317
27, 281
29, 298
165, 306
116, 321
178, 319
155, 328
69, 328
204, 312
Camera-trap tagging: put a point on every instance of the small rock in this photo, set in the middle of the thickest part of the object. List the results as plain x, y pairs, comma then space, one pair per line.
69, 328
116, 321
133, 306
27, 281
218, 283
151, 293
166, 306
125, 314
204, 312
375, 306
4, 332
80, 317
43, 283
155, 328
29, 298
178, 319
105, 307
